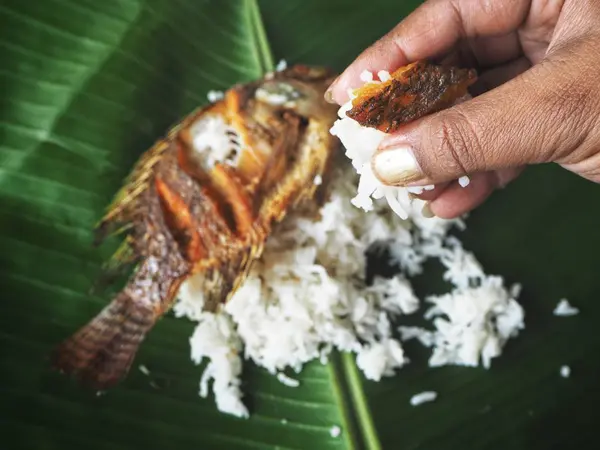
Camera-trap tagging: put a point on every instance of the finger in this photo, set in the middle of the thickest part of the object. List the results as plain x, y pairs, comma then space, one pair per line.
484, 52
497, 76
431, 30
540, 116
490, 51
456, 200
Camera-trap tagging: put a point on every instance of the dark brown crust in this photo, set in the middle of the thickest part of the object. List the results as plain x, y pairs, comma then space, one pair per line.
413, 92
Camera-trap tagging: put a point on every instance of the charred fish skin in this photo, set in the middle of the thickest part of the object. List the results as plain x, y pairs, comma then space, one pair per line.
413, 91
203, 200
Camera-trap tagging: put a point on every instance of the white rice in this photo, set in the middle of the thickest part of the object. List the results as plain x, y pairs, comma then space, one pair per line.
423, 397
215, 338
288, 381
281, 65
308, 296
278, 94
215, 141
335, 431
214, 96
565, 309
383, 75
472, 324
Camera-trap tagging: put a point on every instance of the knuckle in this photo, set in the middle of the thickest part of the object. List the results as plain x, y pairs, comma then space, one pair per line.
571, 103
458, 144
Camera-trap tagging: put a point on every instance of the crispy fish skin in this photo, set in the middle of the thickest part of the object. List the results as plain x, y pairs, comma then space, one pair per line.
189, 210
413, 91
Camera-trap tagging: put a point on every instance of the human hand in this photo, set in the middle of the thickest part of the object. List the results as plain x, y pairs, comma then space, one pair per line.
538, 102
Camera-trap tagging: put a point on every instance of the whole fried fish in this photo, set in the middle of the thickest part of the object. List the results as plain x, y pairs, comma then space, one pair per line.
203, 200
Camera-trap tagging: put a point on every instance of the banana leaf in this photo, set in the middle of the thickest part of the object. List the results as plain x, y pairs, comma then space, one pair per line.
87, 86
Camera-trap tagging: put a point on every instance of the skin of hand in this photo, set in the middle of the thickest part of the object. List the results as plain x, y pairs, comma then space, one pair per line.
537, 99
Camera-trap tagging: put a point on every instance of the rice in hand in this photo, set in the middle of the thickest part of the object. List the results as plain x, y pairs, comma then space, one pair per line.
381, 106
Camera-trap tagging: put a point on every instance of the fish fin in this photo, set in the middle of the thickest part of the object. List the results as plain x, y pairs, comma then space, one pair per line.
101, 353
119, 214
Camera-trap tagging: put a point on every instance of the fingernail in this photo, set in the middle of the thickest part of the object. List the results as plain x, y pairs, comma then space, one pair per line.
397, 166
329, 96
329, 92
426, 211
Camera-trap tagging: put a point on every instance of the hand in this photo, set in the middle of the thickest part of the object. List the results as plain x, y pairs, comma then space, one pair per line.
538, 102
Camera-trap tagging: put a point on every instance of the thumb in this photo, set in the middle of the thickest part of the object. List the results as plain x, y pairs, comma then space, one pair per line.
539, 116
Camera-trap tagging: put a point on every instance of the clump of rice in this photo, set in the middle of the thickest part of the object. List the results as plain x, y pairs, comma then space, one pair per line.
472, 324
308, 296
215, 141
215, 338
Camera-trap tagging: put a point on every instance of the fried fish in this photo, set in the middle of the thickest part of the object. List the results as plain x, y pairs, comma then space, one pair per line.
203, 200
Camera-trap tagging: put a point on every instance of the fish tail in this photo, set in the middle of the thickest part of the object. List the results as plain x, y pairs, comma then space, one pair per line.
101, 353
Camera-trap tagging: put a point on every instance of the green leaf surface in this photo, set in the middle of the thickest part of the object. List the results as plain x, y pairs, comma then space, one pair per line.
88, 86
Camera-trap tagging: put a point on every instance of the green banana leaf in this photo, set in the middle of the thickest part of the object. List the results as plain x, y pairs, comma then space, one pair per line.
87, 86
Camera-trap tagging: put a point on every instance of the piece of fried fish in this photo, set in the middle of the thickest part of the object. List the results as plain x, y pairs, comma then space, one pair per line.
413, 91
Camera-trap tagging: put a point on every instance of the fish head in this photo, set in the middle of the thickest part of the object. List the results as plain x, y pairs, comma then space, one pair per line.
300, 88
